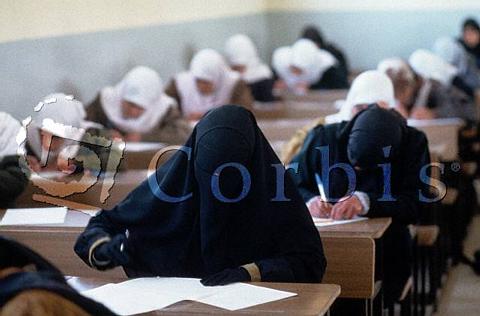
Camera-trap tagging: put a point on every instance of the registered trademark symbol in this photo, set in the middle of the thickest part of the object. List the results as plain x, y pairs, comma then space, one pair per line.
455, 167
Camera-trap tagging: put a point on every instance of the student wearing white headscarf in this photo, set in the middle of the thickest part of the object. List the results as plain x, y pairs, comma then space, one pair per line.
437, 95
54, 134
208, 84
242, 56
403, 80
137, 109
453, 53
301, 67
12, 179
369, 87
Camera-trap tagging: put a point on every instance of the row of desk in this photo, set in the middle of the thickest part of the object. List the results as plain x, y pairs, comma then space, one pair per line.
350, 250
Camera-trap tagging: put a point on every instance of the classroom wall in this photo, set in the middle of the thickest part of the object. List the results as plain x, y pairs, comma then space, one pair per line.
80, 46
367, 36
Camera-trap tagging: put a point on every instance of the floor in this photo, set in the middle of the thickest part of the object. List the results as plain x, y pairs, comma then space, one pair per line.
461, 293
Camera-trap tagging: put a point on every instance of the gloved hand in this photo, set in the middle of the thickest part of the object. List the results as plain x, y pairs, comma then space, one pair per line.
227, 276
113, 253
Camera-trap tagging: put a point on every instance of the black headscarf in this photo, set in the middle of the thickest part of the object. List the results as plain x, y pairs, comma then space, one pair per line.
46, 277
312, 33
203, 235
475, 51
375, 135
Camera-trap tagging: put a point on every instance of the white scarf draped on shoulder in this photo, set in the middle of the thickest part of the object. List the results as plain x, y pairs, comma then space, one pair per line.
207, 65
9, 129
305, 55
240, 51
143, 87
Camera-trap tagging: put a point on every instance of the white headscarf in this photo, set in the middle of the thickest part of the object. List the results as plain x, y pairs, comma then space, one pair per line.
304, 54
452, 52
396, 66
369, 87
240, 51
207, 65
430, 66
9, 129
60, 115
141, 86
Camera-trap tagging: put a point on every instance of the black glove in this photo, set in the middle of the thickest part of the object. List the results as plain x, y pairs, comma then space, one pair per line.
227, 276
113, 252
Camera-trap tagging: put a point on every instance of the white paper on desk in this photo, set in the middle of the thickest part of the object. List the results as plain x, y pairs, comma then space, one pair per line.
240, 295
123, 301
147, 294
324, 222
34, 216
142, 146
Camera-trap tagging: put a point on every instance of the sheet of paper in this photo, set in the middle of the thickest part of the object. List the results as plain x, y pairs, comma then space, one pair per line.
34, 216
147, 294
123, 301
324, 222
91, 213
240, 295
142, 146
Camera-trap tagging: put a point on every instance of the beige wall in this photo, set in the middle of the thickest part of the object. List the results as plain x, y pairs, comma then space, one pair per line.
21, 19
369, 5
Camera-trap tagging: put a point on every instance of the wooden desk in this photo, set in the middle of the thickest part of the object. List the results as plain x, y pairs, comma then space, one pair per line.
312, 299
123, 183
373, 228
55, 243
330, 96
138, 156
354, 258
293, 110
442, 135
282, 129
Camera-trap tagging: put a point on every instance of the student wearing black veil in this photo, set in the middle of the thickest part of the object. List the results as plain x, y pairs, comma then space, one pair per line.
30, 285
221, 225
336, 77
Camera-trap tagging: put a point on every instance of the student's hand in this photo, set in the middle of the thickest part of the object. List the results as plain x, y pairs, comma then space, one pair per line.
64, 165
301, 88
280, 85
319, 208
227, 276
347, 208
133, 137
194, 116
33, 164
423, 113
112, 252
114, 134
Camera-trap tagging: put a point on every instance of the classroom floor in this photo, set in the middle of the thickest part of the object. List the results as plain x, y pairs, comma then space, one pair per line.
461, 294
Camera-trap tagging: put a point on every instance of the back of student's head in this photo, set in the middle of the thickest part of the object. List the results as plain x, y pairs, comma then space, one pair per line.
376, 135
314, 34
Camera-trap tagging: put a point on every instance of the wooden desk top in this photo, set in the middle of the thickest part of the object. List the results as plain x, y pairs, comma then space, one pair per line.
312, 299
372, 228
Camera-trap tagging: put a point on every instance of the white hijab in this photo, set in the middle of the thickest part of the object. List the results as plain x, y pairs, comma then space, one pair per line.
240, 51
141, 86
305, 55
9, 129
451, 52
369, 87
60, 115
430, 66
207, 65
396, 66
